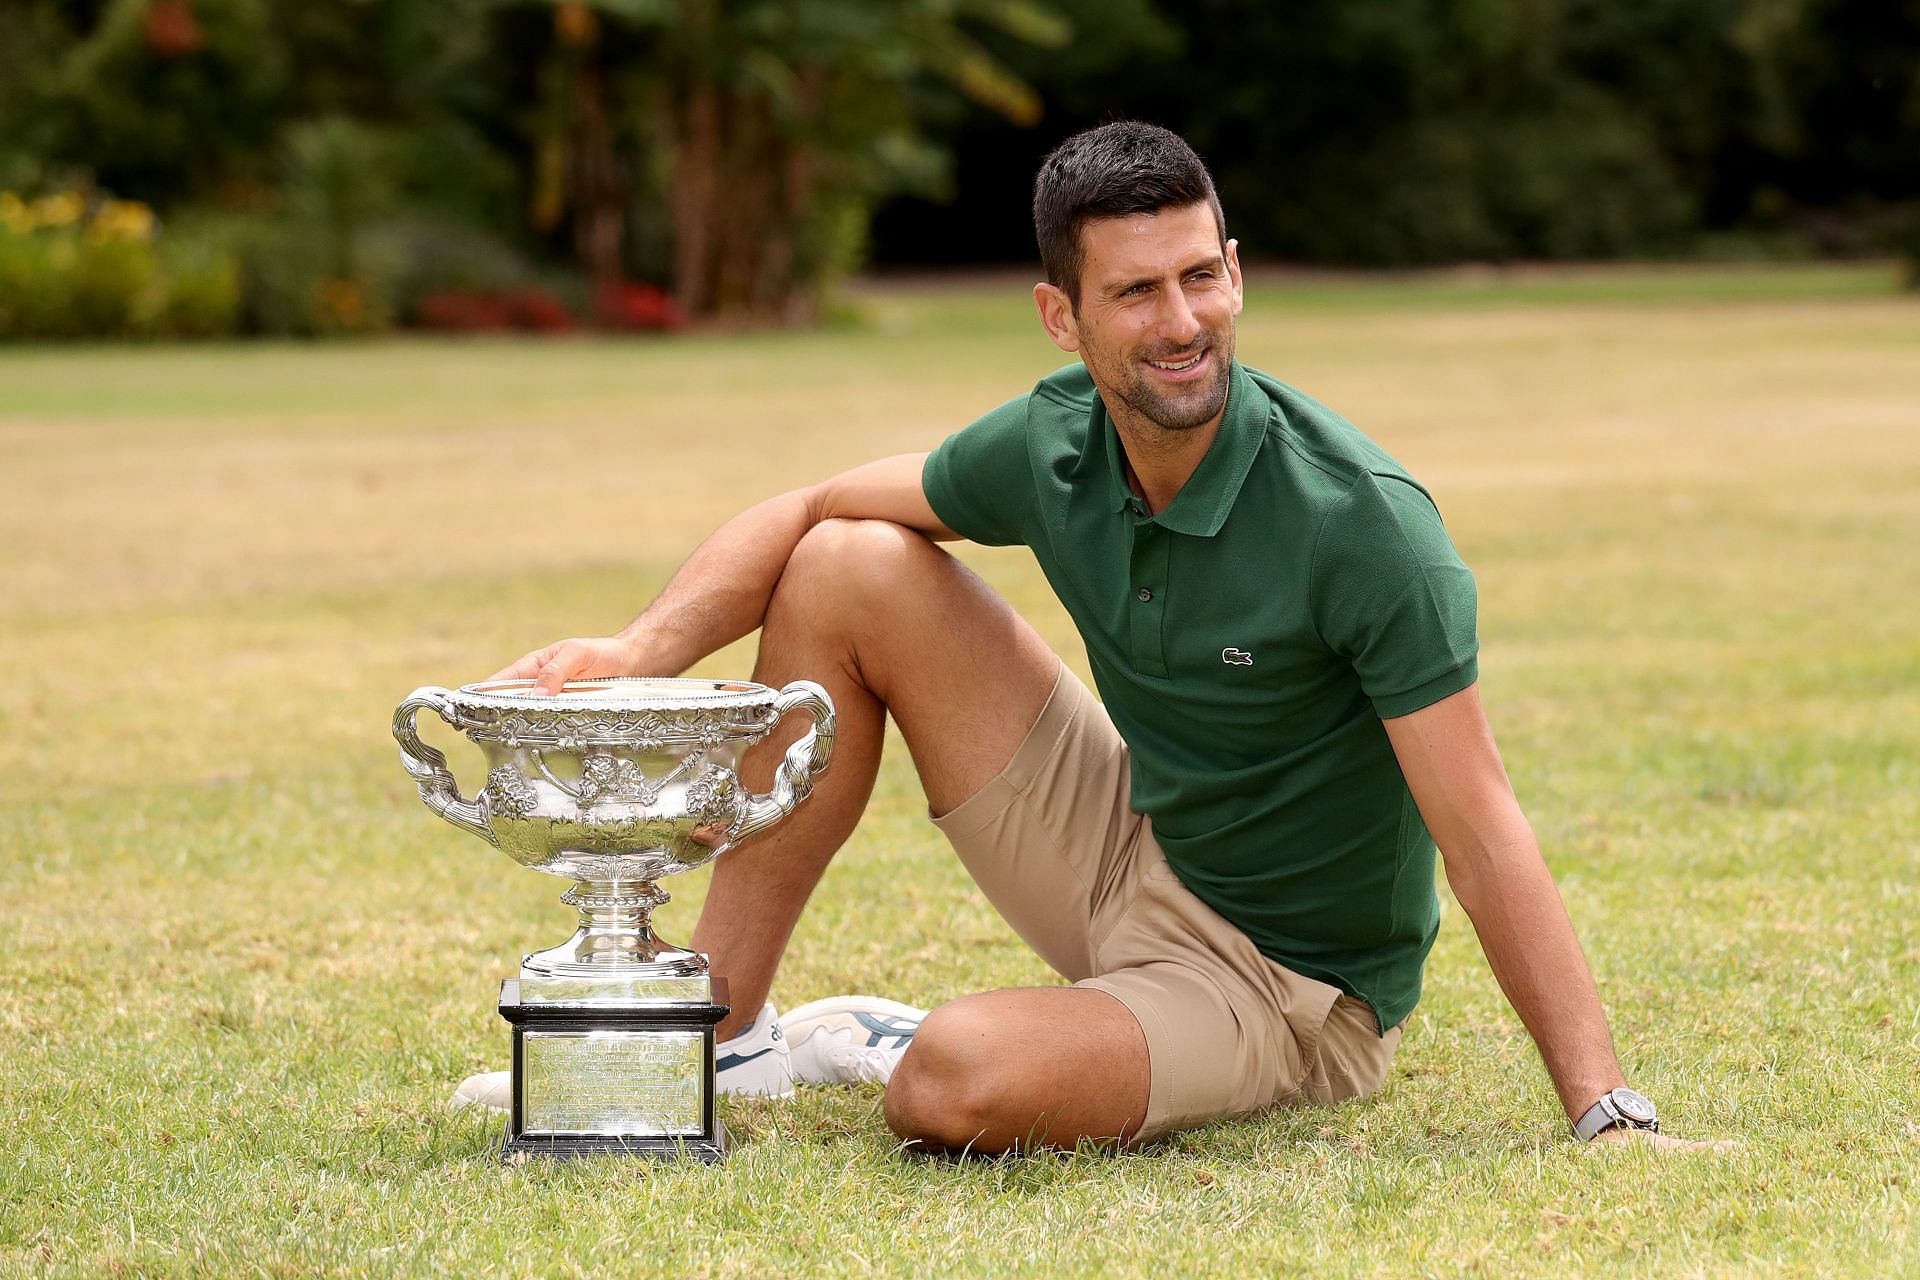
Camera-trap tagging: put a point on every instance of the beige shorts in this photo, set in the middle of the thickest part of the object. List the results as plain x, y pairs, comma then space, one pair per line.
1058, 851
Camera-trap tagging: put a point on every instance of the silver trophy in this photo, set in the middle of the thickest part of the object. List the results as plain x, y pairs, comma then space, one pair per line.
615, 784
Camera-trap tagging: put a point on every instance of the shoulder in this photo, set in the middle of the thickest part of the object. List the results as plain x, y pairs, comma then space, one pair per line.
1316, 437
1069, 388
1362, 504
1058, 402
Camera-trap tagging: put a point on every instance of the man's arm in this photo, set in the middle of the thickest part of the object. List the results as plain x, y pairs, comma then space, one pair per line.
1494, 866
721, 592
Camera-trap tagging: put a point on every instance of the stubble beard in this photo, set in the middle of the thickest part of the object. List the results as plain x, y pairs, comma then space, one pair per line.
1193, 407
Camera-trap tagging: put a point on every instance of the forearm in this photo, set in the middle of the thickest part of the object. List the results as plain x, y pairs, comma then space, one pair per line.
1530, 944
721, 592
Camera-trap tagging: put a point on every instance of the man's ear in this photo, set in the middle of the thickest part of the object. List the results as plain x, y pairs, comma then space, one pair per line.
1233, 274
1056, 316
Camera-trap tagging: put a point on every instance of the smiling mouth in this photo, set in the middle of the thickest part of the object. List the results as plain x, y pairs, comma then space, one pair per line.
1180, 366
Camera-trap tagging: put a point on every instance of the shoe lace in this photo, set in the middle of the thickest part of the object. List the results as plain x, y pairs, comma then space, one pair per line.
866, 1065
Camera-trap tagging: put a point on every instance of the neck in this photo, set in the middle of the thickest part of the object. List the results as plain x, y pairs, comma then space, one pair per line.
1159, 461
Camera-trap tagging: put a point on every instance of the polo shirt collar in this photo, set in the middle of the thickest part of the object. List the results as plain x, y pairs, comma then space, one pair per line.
1202, 504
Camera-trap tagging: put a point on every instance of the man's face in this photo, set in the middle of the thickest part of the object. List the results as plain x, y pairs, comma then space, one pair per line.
1158, 297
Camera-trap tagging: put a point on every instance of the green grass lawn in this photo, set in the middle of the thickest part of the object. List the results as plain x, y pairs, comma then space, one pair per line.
241, 967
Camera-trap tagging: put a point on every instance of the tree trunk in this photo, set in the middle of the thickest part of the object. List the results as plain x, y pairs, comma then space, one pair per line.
781, 293
743, 179
599, 204
695, 188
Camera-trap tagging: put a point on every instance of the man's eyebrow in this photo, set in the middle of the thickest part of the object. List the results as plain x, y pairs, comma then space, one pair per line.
1199, 264
1115, 290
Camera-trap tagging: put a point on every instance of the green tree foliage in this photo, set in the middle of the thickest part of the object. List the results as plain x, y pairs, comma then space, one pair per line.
737, 150
170, 100
734, 149
1417, 131
765, 129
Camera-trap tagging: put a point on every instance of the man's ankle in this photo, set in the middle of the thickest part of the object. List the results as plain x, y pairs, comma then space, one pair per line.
737, 1023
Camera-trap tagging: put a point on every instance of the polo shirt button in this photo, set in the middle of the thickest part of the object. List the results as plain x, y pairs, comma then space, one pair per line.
1146, 594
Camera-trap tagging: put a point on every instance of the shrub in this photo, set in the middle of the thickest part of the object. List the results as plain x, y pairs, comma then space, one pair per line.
76, 267
1904, 239
540, 311
203, 291
454, 311
451, 276
285, 282
112, 286
628, 306
73, 267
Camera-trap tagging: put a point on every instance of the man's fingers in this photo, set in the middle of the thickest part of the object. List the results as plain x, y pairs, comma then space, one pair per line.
550, 668
566, 660
524, 669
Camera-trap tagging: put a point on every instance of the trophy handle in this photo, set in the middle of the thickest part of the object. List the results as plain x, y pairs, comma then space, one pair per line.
803, 763
438, 789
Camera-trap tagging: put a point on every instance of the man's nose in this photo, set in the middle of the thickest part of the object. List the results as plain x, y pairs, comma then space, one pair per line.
1178, 324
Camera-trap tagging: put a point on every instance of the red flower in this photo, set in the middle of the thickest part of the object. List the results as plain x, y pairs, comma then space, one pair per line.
456, 311
629, 306
172, 30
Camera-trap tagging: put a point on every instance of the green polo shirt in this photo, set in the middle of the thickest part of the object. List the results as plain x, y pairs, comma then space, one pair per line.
1247, 642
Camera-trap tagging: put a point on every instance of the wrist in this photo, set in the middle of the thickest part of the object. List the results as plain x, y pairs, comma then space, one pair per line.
633, 654
650, 651
1620, 1108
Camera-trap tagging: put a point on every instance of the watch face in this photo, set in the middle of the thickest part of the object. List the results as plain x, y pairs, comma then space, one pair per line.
1633, 1106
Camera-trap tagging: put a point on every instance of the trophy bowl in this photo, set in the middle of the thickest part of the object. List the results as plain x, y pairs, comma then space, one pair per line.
614, 784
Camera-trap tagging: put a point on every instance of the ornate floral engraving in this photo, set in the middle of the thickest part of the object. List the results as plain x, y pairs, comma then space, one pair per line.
647, 729
508, 791
613, 778
714, 797
598, 867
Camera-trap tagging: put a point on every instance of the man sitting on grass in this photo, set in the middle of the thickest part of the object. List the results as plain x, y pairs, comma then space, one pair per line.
1230, 857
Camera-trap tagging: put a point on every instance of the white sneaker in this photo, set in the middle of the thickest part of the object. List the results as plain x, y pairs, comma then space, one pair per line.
849, 1039
490, 1091
755, 1062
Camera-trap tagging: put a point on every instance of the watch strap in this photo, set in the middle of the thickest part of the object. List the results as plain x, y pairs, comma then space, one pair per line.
1597, 1119
1606, 1114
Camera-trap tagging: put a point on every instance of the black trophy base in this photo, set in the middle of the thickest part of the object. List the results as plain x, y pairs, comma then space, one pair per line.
632, 1077
572, 1147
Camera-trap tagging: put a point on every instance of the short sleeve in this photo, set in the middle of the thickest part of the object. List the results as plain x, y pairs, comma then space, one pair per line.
1391, 595
979, 480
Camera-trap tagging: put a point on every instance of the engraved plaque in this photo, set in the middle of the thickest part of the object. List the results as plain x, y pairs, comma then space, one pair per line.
617, 990
630, 1083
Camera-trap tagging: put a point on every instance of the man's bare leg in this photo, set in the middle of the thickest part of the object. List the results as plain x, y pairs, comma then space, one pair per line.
885, 620
1023, 1068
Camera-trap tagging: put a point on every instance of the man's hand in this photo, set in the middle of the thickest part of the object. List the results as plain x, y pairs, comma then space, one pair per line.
1622, 1136
575, 659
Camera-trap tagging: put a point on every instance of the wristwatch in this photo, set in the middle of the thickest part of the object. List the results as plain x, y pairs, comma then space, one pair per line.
1619, 1109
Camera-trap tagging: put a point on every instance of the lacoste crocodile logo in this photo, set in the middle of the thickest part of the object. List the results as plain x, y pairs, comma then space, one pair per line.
1236, 657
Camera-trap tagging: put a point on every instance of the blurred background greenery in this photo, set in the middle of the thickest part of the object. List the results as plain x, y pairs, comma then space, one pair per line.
205, 167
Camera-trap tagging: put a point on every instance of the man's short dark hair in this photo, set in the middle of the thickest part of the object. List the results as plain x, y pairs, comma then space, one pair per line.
1119, 169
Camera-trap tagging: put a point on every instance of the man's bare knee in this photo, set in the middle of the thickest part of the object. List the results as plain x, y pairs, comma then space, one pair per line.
857, 556
944, 1094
